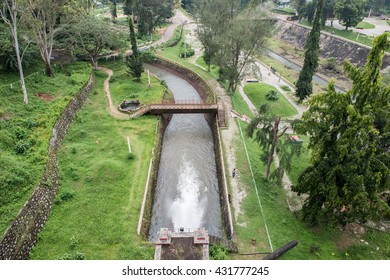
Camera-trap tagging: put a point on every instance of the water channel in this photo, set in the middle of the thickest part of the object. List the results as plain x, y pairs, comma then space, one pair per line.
187, 185
296, 67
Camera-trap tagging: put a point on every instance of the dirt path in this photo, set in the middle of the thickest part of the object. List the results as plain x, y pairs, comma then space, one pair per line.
110, 107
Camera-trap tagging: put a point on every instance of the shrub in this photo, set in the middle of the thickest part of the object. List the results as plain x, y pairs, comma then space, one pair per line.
189, 51
331, 63
130, 156
285, 88
218, 252
272, 95
74, 256
22, 146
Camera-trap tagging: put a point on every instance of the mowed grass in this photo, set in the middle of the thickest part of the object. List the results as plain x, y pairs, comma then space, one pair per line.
365, 25
124, 87
257, 94
213, 68
100, 220
321, 242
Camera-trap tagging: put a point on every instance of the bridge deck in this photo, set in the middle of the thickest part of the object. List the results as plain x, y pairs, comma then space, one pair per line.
181, 108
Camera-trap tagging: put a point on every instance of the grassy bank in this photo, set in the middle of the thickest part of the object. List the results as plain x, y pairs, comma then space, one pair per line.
321, 242
25, 132
257, 94
101, 190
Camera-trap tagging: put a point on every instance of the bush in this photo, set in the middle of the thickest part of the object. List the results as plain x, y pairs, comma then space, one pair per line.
218, 252
130, 156
285, 88
22, 146
148, 56
272, 95
189, 51
331, 63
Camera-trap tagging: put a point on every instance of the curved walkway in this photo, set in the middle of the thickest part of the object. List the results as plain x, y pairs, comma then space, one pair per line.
111, 108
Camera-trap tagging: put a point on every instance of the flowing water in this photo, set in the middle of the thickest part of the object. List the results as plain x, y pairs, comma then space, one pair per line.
187, 185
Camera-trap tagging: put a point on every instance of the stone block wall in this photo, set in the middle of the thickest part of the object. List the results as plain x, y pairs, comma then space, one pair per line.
330, 45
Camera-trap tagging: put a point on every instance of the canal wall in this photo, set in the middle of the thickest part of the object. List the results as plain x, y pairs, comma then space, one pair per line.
330, 45
146, 217
22, 234
207, 94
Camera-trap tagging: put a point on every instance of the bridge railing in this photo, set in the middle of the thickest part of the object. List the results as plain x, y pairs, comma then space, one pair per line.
184, 102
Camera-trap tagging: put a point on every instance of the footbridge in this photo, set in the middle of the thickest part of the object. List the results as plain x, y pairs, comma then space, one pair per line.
182, 107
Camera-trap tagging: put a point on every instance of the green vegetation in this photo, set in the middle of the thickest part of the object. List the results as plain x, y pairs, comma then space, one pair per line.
310, 64
213, 69
321, 242
340, 163
25, 132
347, 34
124, 87
284, 11
299, 164
365, 25
257, 94
100, 218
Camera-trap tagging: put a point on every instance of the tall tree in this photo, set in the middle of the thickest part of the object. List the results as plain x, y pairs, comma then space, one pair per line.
350, 143
349, 12
113, 9
9, 14
238, 31
93, 36
299, 6
152, 13
134, 62
304, 85
266, 129
310, 9
328, 12
43, 17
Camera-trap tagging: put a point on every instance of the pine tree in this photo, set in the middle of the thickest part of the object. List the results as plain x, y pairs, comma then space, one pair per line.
135, 61
350, 142
304, 85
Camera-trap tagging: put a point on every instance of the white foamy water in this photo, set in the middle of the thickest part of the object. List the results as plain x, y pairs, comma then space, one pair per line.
188, 207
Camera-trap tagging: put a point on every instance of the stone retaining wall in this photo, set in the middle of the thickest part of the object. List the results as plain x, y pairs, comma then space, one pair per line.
330, 45
22, 234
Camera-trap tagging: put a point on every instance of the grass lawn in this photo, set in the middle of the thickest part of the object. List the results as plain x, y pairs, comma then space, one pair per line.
257, 94
104, 188
213, 68
365, 25
25, 132
124, 87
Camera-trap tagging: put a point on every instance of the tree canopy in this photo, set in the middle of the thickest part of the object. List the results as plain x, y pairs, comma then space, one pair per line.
349, 12
234, 31
350, 143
